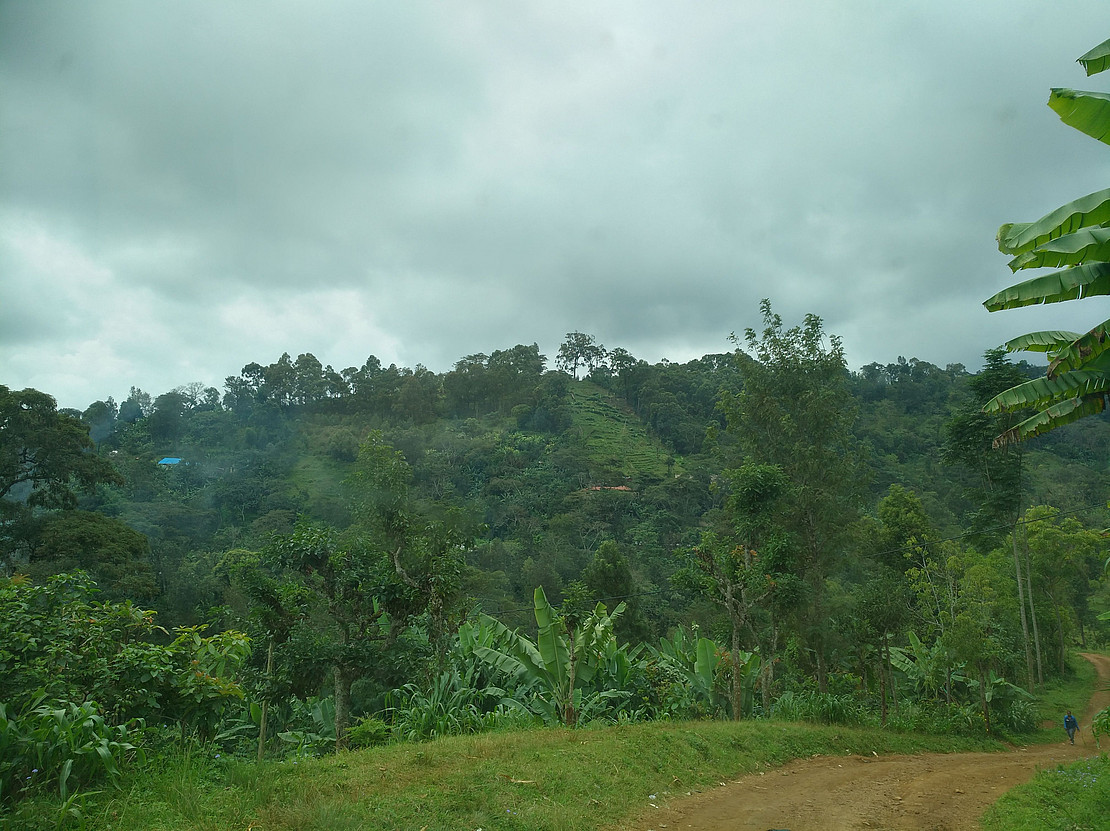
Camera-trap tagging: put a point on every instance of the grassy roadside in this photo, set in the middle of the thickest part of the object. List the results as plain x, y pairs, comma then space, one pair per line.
1060, 695
547, 780
1068, 797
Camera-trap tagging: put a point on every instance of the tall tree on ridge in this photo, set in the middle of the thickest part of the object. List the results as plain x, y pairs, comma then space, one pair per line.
996, 474
795, 411
46, 457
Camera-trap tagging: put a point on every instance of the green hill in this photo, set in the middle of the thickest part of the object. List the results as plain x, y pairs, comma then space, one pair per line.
616, 442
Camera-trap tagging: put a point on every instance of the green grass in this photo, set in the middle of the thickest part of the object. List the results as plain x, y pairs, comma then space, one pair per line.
1072, 797
616, 441
548, 780
1060, 695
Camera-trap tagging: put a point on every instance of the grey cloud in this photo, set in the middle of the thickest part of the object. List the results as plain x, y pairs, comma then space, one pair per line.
426, 180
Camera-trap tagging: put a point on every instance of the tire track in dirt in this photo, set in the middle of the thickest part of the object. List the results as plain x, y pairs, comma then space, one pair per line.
926, 792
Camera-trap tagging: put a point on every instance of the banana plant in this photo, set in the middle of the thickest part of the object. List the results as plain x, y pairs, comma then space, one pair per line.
697, 660
557, 671
930, 669
1075, 238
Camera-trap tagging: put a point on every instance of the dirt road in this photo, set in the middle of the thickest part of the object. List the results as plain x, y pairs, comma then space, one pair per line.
930, 792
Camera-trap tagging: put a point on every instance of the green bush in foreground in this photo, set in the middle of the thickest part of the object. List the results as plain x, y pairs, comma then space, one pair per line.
1070, 798
58, 745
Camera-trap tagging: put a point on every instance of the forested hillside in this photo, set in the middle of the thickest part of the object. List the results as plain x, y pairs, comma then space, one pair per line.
820, 531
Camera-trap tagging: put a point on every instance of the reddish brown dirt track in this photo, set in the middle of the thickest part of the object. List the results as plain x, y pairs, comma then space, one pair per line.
929, 792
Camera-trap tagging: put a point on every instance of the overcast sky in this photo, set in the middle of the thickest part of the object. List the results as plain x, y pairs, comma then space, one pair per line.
187, 187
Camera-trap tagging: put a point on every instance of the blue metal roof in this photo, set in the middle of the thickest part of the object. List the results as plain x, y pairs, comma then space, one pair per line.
170, 460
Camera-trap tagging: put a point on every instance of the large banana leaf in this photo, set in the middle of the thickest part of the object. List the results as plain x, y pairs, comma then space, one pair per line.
1097, 59
1085, 245
1059, 414
1073, 237
551, 643
1087, 112
503, 663
705, 665
1087, 351
512, 644
1019, 237
1043, 392
1087, 280
1041, 342
593, 637
588, 705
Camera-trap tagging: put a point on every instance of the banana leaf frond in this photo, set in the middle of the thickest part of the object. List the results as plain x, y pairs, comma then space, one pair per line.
1097, 59
1050, 342
1092, 209
1087, 280
1087, 112
1087, 351
1085, 245
1059, 414
1047, 392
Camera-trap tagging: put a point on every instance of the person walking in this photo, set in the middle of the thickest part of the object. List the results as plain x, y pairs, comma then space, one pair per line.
1071, 725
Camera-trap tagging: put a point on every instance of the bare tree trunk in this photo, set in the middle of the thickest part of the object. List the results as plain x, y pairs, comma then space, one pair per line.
766, 679
1059, 630
767, 667
1033, 614
818, 641
265, 701
736, 615
1024, 619
983, 696
737, 692
570, 715
882, 687
893, 680
1063, 647
342, 705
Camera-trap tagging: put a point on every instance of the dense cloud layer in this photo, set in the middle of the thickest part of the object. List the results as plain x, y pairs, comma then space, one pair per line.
188, 187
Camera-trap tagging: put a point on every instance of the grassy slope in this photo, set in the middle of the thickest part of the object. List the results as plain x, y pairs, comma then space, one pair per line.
543, 779
549, 780
615, 439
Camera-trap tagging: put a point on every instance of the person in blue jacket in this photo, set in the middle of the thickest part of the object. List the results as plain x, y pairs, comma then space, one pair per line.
1071, 725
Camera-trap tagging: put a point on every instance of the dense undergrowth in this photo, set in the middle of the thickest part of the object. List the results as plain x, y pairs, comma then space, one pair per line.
596, 777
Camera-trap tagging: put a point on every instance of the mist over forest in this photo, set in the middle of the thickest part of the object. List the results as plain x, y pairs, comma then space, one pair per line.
560, 464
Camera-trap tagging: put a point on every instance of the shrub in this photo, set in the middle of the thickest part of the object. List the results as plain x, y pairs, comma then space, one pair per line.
1018, 716
57, 640
368, 732
316, 720
1101, 725
58, 744
821, 708
450, 706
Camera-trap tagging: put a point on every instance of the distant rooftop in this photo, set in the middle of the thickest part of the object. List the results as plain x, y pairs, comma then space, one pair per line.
170, 460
